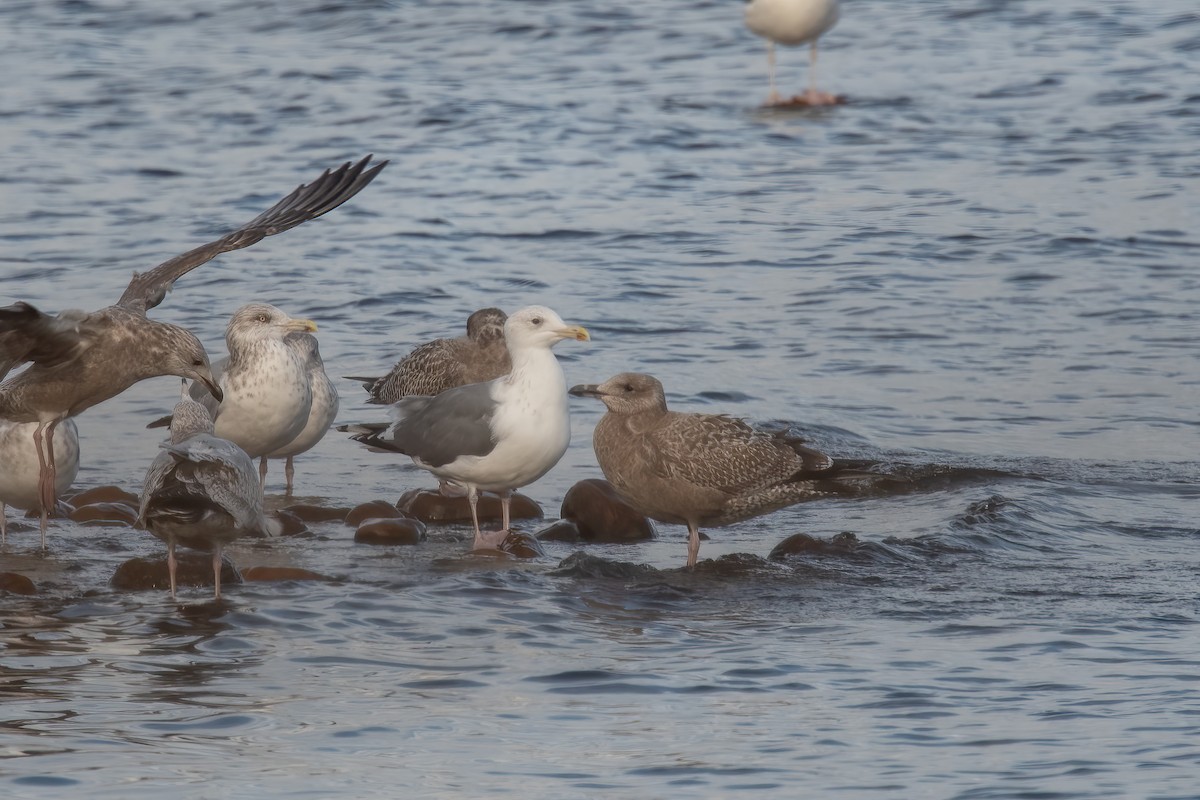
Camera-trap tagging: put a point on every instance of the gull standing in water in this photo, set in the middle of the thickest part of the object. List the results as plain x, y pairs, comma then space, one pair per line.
20, 473
119, 345
698, 469
793, 22
201, 491
496, 436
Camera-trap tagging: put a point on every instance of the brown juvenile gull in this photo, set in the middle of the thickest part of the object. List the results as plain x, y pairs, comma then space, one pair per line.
433, 367
321, 412
19, 471
697, 469
27, 334
496, 436
201, 491
121, 345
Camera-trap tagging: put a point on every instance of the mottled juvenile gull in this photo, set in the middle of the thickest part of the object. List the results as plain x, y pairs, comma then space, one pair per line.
324, 405
201, 491
19, 471
27, 334
793, 22
121, 345
433, 367
696, 469
496, 436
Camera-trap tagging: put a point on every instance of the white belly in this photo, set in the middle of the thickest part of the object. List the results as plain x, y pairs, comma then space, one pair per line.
19, 462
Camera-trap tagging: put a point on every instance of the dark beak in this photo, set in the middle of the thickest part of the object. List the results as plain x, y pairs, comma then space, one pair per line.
585, 390
213, 389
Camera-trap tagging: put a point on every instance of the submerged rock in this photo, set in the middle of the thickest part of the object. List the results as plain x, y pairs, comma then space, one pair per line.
289, 523
104, 494
396, 530
522, 545
263, 573
376, 509
106, 514
16, 583
803, 544
564, 530
600, 515
431, 506
193, 569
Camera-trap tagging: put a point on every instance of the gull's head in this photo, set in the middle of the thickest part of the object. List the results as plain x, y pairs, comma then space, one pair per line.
187, 358
486, 326
255, 322
626, 393
538, 326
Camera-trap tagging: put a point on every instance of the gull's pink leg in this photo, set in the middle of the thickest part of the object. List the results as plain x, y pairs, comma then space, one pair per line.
693, 544
772, 96
217, 571
171, 564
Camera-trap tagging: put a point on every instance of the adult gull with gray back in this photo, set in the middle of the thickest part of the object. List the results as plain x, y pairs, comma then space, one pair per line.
200, 491
119, 345
793, 22
698, 469
496, 436
435, 366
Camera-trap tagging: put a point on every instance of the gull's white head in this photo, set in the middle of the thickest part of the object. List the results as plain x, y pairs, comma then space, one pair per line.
538, 326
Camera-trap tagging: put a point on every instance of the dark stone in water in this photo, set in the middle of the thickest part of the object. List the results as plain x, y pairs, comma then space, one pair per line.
376, 509
16, 583
396, 530
431, 506
193, 569
522, 545
600, 515
105, 514
104, 494
263, 573
311, 513
290, 524
803, 544
562, 531
586, 565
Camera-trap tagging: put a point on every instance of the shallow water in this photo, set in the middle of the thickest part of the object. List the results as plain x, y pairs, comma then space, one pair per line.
984, 260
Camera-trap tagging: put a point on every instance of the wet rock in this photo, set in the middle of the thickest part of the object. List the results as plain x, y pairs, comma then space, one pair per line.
16, 583
376, 509
431, 506
104, 494
600, 515
522, 545
397, 530
562, 531
803, 544
105, 514
290, 524
263, 573
311, 513
194, 569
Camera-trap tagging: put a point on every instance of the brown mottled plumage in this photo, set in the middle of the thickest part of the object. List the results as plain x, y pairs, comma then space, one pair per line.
433, 367
696, 469
119, 345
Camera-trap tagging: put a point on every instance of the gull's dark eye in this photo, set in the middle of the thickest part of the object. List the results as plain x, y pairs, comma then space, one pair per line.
198, 362
629, 387
536, 321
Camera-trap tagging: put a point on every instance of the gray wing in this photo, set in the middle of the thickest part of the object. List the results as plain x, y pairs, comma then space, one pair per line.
224, 473
306, 202
156, 477
26, 334
437, 430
